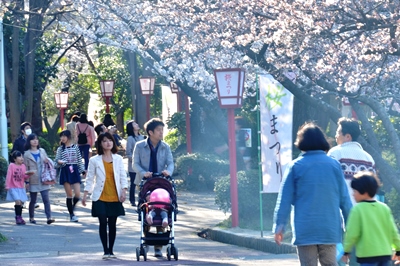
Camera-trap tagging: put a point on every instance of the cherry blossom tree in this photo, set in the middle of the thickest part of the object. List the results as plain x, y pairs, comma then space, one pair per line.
335, 48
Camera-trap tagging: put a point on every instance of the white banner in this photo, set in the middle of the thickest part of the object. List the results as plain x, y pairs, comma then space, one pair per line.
276, 115
169, 106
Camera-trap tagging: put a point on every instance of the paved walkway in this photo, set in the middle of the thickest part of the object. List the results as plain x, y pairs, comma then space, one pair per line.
64, 242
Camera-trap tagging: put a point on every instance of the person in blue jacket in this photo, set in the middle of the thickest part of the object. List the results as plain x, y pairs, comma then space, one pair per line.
314, 185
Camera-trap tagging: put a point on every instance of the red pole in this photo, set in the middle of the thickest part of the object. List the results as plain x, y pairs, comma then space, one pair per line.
148, 107
233, 173
107, 105
187, 118
62, 118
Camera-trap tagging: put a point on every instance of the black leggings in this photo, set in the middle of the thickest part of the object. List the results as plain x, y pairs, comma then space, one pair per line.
112, 232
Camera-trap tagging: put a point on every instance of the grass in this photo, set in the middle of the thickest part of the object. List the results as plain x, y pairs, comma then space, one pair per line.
2, 238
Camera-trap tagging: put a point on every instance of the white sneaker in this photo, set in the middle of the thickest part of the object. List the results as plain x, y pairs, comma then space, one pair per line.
74, 219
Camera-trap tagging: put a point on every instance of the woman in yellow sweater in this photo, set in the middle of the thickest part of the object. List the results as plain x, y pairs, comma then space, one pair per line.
106, 181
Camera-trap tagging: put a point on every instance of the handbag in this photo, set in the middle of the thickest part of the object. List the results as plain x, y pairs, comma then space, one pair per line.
49, 173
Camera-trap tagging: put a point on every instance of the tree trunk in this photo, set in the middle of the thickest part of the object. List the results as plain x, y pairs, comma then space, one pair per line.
37, 9
37, 120
12, 74
120, 122
131, 59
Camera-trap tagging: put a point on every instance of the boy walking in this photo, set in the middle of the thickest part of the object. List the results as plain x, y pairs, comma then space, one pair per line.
370, 226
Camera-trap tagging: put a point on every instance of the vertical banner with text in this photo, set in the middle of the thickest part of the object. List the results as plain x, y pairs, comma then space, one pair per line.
169, 106
276, 115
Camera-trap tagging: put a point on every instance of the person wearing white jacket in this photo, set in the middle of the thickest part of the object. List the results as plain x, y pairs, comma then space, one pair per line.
107, 182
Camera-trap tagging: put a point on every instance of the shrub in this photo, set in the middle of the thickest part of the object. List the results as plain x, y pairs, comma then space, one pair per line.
392, 199
3, 238
3, 174
199, 171
46, 146
172, 139
248, 199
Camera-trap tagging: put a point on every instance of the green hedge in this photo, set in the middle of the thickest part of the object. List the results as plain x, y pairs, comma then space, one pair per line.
199, 171
248, 198
3, 174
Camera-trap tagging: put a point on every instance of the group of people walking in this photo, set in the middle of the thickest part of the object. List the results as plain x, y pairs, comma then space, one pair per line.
106, 178
319, 185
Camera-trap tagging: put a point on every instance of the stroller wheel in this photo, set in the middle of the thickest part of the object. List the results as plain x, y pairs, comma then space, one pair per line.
175, 252
168, 253
137, 253
143, 251
144, 254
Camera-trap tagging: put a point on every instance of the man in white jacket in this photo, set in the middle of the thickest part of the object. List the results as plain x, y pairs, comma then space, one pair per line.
351, 156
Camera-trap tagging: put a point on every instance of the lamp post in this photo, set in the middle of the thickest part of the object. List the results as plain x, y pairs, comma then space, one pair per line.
147, 89
61, 99
107, 91
175, 89
230, 83
3, 116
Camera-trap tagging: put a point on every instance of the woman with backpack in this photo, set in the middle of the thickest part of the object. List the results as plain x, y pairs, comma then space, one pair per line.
69, 161
85, 137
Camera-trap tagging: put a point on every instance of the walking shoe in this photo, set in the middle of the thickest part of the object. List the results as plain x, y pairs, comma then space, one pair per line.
19, 220
106, 256
112, 256
50, 221
32, 221
74, 219
157, 253
37, 205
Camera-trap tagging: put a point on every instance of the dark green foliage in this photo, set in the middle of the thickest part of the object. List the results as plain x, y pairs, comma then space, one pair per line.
46, 146
392, 199
172, 139
205, 169
3, 174
178, 121
249, 200
3, 238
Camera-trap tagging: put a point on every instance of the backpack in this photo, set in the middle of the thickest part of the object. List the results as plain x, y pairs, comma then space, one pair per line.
82, 138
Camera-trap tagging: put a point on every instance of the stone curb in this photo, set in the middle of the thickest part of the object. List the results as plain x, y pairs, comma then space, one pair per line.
252, 242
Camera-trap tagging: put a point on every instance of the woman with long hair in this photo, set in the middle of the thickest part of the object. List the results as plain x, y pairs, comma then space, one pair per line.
86, 137
35, 158
133, 132
69, 161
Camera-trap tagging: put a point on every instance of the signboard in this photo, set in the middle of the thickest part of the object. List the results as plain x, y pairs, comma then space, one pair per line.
276, 113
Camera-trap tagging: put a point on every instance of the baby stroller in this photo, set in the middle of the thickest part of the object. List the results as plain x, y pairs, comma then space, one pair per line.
161, 239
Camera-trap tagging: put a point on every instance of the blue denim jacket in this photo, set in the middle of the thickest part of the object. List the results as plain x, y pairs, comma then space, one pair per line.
141, 158
315, 186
